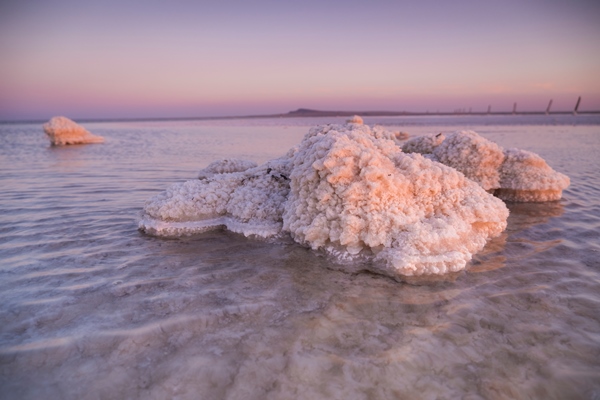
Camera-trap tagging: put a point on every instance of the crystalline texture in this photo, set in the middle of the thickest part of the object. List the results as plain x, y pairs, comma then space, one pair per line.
348, 190
512, 175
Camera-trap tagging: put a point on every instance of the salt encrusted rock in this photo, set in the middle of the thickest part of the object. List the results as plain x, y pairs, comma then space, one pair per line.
423, 144
379, 130
382, 133
352, 192
63, 131
476, 157
348, 190
248, 202
512, 175
226, 166
526, 177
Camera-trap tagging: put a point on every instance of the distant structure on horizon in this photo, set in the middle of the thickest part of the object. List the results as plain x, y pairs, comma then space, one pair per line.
577, 106
548, 108
308, 112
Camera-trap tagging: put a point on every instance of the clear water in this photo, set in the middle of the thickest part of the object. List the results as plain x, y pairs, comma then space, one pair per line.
92, 309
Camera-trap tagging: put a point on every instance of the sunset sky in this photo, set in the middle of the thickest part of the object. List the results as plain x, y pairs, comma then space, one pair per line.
126, 59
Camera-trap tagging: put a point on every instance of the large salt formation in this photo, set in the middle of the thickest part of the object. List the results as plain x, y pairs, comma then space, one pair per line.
63, 131
512, 174
348, 190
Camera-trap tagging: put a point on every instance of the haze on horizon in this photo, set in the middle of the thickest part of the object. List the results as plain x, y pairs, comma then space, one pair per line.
134, 59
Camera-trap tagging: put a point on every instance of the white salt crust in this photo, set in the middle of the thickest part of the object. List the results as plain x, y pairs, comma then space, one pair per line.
476, 157
62, 131
348, 190
512, 175
226, 166
248, 202
526, 177
423, 144
380, 131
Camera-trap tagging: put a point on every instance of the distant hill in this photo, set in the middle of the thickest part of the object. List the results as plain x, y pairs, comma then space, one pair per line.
307, 112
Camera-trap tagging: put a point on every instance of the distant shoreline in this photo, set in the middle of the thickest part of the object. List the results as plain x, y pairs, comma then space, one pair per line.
310, 113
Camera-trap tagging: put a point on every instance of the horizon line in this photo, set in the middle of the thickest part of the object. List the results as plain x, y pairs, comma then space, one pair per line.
312, 113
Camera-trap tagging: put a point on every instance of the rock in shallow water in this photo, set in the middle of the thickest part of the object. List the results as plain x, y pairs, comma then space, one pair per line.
63, 131
512, 174
348, 190
526, 177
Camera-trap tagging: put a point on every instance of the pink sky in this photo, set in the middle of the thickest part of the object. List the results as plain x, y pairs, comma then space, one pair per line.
114, 59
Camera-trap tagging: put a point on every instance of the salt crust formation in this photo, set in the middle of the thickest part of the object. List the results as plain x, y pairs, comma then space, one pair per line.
397, 136
525, 177
348, 190
63, 131
512, 174
423, 144
226, 166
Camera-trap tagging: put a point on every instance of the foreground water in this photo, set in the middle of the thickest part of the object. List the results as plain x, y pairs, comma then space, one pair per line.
91, 308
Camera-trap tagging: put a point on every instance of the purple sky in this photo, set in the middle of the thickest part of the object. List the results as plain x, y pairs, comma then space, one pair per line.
112, 59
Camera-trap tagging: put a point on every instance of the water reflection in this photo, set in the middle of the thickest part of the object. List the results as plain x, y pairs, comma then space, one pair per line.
510, 245
67, 158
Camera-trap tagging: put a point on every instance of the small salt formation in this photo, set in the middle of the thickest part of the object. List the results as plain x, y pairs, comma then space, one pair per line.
249, 202
476, 157
512, 175
226, 166
526, 177
63, 131
380, 131
423, 144
383, 133
348, 190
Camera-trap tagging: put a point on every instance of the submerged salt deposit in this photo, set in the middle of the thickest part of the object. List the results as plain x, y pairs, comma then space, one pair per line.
348, 190
63, 131
512, 174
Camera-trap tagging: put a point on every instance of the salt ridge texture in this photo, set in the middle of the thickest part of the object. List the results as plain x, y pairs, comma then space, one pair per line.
62, 131
511, 174
226, 166
249, 202
526, 177
348, 190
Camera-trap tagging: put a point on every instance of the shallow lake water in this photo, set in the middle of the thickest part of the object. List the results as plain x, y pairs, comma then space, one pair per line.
93, 309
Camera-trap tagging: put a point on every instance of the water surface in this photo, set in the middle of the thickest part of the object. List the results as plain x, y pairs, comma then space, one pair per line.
92, 309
